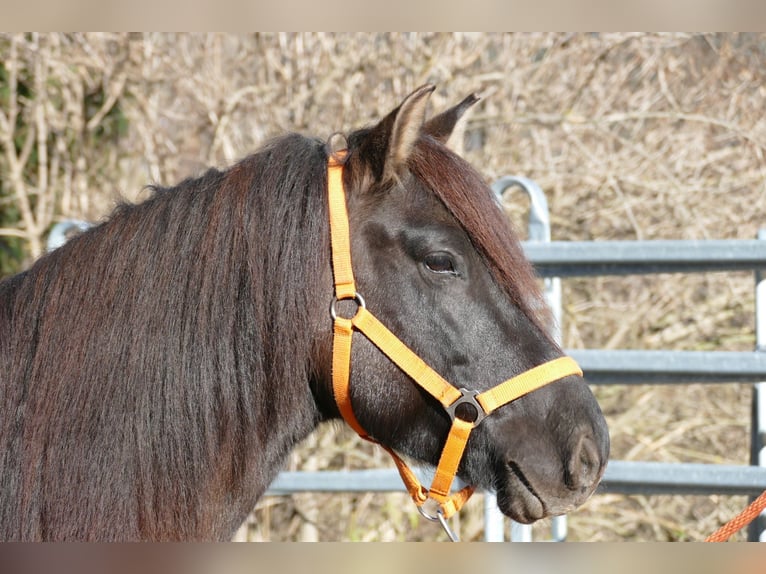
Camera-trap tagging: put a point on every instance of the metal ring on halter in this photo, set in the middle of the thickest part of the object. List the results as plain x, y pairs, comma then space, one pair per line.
425, 514
357, 298
438, 517
469, 398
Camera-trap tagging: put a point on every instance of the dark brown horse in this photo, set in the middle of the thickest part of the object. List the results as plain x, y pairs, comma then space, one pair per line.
156, 370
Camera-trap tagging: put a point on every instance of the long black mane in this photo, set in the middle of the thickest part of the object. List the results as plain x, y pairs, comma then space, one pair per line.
156, 370
181, 308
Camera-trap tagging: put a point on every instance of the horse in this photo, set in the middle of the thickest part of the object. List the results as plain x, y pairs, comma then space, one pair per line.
157, 369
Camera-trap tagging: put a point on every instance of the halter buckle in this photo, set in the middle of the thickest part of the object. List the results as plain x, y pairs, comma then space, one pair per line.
468, 398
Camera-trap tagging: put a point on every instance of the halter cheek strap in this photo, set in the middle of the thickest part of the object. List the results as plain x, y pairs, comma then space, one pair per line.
450, 397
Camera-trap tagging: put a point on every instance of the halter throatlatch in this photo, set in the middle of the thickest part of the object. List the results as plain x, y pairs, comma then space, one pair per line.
483, 403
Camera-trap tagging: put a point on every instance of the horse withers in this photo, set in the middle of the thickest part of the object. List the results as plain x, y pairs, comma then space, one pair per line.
156, 370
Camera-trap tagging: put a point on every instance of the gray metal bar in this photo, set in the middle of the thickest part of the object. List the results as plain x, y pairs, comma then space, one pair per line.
639, 367
757, 530
627, 477
521, 532
367, 480
539, 227
539, 216
370, 480
61, 232
494, 520
586, 258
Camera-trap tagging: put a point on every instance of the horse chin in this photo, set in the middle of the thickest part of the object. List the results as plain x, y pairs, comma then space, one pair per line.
517, 499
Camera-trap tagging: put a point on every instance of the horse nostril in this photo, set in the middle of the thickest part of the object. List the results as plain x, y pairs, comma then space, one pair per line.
584, 465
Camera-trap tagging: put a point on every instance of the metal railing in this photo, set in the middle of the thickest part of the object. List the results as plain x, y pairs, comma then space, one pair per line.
554, 260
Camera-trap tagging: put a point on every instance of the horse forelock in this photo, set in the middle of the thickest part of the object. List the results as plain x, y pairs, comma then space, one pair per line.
472, 203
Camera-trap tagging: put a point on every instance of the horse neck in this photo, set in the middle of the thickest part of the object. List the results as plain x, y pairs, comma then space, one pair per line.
183, 326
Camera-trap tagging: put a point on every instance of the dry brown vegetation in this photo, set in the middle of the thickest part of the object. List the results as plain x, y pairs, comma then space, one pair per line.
632, 136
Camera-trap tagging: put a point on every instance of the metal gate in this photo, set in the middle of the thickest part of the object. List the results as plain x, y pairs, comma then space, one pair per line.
554, 260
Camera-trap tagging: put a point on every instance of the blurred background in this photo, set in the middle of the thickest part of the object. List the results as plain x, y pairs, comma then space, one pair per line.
631, 136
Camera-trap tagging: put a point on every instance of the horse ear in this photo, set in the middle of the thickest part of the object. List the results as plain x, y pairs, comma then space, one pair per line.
389, 144
442, 126
406, 129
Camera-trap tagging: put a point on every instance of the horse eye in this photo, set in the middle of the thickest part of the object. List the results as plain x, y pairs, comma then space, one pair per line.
440, 263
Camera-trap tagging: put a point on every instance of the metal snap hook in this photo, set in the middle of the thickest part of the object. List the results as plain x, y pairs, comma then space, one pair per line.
438, 517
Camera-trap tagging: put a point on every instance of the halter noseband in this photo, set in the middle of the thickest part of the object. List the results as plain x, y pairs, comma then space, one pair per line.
484, 403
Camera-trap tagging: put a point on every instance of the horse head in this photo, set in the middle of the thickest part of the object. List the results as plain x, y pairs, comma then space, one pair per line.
440, 266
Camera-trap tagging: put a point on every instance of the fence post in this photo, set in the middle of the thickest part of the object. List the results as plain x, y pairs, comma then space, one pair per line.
757, 529
539, 231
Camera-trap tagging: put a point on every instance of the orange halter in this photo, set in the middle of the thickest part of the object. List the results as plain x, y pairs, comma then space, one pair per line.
449, 396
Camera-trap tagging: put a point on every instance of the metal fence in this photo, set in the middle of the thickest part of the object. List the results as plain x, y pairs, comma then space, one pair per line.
554, 260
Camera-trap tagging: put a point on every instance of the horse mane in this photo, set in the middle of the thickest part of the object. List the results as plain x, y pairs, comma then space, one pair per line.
472, 203
166, 323
189, 301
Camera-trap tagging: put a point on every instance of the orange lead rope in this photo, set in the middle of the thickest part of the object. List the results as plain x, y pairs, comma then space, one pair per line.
449, 396
740, 521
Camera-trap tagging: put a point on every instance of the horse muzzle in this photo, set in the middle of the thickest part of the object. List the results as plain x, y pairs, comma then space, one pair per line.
548, 472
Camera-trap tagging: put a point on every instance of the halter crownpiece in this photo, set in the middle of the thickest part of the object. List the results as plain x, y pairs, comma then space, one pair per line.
450, 397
